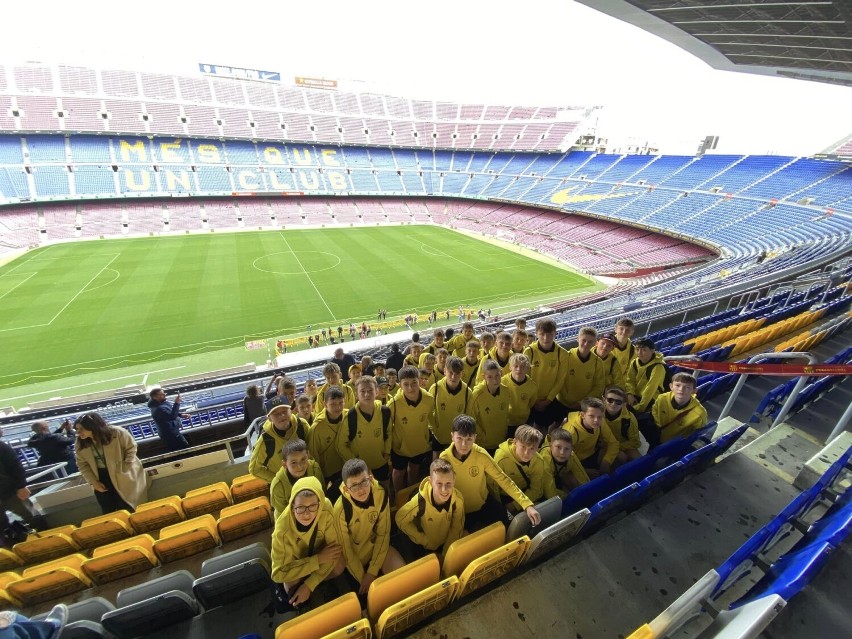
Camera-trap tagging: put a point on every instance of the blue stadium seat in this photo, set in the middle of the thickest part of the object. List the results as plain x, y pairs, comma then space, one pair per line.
610, 506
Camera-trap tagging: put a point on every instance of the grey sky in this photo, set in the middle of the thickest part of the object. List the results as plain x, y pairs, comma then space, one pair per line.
536, 52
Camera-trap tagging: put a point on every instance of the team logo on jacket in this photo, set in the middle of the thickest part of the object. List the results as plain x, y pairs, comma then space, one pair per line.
474, 471
377, 432
373, 516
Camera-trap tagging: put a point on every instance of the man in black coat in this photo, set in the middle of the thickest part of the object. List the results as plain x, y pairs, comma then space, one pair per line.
167, 417
54, 447
14, 494
396, 359
344, 361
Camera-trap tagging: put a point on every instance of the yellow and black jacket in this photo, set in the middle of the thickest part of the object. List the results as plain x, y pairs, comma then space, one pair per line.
295, 551
365, 531
430, 526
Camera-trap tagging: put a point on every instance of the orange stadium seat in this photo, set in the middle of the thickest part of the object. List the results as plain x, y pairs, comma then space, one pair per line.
187, 538
7, 600
206, 500
324, 620
247, 487
51, 580
104, 529
121, 559
47, 545
153, 515
9, 560
493, 565
463, 551
244, 519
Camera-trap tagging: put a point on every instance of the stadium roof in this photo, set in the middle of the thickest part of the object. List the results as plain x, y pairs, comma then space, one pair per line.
806, 39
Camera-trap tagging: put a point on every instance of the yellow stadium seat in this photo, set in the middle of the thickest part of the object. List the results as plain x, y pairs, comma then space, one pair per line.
415, 608
7, 600
153, 515
9, 560
187, 538
404, 495
244, 519
47, 545
463, 551
104, 529
642, 632
322, 621
51, 580
207, 500
121, 559
399, 584
359, 630
247, 487
492, 566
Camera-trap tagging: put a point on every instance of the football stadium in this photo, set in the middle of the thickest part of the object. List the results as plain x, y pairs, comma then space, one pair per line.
291, 356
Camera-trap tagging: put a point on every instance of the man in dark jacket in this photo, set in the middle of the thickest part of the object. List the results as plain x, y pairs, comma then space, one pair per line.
55, 447
396, 359
14, 495
343, 361
167, 417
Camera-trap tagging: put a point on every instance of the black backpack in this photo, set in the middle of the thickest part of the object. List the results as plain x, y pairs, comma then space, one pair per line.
352, 422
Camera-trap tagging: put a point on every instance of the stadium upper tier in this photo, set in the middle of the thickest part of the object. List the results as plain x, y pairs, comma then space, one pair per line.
47, 99
756, 202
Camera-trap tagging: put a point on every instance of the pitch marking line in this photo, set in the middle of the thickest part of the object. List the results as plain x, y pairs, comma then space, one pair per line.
85, 286
33, 256
82, 290
440, 253
17, 285
114, 379
296, 257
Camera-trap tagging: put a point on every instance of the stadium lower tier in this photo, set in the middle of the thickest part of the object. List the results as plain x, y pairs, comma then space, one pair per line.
760, 202
595, 246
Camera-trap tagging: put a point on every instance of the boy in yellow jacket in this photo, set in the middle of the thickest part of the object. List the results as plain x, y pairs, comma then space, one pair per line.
594, 444
622, 424
433, 518
522, 389
519, 459
411, 412
281, 427
452, 397
678, 412
585, 376
613, 373
297, 464
363, 517
473, 467
489, 406
365, 433
563, 468
549, 368
322, 439
306, 548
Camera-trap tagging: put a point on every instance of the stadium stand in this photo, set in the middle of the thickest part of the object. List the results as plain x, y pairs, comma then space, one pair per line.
684, 233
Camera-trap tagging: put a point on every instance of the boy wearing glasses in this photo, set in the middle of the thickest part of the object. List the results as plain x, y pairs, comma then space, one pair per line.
364, 519
622, 423
306, 547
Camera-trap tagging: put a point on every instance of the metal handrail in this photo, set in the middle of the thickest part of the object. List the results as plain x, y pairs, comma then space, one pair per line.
788, 403
841, 424
148, 461
57, 470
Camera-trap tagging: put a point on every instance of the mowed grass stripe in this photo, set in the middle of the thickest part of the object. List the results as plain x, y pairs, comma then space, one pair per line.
168, 296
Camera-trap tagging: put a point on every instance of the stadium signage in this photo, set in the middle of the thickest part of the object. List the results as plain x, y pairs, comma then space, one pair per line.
784, 370
315, 83
174, 165
239, 72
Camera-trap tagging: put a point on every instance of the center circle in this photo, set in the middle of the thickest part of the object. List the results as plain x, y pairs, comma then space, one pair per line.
292, 262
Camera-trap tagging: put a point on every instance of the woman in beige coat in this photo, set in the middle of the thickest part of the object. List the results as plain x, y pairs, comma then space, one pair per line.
106, 457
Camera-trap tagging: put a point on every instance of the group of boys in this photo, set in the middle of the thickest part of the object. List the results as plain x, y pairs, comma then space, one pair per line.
527, 421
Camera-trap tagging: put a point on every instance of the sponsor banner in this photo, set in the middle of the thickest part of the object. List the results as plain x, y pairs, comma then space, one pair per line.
315, 83
784, 370
256, 345
239, 72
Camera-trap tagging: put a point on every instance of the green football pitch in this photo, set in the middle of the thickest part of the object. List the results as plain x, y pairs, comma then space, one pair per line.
85, 316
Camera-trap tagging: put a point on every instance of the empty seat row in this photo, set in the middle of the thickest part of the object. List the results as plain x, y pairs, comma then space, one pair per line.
75, 572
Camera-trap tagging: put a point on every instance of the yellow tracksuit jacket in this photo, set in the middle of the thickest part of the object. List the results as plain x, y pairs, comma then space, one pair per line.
365, 531
429, 526
295, 552
471, 479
